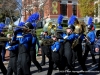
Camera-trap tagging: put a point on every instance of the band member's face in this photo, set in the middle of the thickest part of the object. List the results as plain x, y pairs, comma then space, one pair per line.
45, 34
96, 49
9, 36
69, 31
25, 30
54, 38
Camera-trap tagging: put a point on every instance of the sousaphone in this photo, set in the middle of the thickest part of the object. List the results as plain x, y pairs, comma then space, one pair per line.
50, 26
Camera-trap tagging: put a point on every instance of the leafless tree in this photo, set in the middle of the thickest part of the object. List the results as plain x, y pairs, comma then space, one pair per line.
9, 8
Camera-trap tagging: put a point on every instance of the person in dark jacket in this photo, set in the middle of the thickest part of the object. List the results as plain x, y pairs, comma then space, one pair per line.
44, 48
69, 38
2, 67
33, 51
25, 43
97, 47
90, 39
12, 46
55, 56
12, 66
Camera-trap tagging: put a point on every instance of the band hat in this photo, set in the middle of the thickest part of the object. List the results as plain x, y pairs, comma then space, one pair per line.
60, 19
29, 25
72, 20
71, 27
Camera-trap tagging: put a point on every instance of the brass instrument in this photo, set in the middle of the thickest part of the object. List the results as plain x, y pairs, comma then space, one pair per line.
50, 26
83, 25
80, 27
12, 27
4, 39
45, 27
75, 42
47, 41
58, 33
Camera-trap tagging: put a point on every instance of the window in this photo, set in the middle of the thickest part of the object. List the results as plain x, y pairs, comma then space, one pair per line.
63, 9
65, 21
96, 21
64, 24
74, 9
69, 1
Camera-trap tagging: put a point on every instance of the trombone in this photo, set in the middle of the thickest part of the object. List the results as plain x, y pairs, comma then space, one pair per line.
12, 28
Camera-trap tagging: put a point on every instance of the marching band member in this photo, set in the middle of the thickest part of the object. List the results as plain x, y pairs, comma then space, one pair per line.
90, 39
12, 46
33, 51
78, 48
69, 38
12, 66
3, 50
55, 53
97, 47
25, 42
61, 53
2, 67
32, 19
59, 27
45, 49
55, 47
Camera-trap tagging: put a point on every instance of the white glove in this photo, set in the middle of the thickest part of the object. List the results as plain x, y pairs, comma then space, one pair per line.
7, 47
59, 40
65, 37
54, 50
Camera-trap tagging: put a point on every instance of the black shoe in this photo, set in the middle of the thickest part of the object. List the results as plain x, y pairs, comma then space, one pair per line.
40, 70
98, 68
54, 68
62, 74
42, 64
73, 74
93, 63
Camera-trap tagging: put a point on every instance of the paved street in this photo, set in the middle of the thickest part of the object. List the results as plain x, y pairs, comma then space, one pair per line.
55, 72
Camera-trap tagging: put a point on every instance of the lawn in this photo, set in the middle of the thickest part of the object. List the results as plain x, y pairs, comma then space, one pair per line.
98, 26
